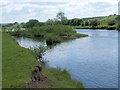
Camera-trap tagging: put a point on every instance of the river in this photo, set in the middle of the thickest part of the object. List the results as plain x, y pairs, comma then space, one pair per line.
92, 60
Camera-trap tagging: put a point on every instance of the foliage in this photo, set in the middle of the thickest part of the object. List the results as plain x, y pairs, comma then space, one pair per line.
45, 30
60, 19
33, 23
94, 23
38, 51
61, 16
75, 22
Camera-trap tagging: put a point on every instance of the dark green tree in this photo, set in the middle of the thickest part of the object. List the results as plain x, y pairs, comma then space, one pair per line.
86, 23
94, 23
31, 23
61, 17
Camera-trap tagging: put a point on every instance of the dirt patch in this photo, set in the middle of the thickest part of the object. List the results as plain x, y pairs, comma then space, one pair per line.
38, 80
43, 83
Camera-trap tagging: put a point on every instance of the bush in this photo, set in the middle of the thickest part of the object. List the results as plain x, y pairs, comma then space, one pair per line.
52, 39
39, 51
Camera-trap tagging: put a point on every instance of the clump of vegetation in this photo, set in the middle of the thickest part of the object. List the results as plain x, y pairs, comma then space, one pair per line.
38, 51
81, 35
52, 39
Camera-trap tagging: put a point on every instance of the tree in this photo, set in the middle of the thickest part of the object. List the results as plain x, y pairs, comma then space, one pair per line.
75, 22
31, 23
82, 24
16, 26
61, 17
50, 22
94, 23
86, 23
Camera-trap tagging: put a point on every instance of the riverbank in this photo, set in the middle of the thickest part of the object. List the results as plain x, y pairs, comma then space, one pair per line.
98, 27
18, 64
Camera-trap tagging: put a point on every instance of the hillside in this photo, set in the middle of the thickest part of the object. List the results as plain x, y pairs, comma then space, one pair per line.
103, 22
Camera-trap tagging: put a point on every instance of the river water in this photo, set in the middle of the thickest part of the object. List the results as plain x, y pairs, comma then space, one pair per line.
92, 60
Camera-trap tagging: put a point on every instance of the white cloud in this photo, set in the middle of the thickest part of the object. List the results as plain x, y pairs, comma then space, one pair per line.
23, 10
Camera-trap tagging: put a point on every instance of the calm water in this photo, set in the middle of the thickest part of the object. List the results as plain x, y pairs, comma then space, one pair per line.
92, 60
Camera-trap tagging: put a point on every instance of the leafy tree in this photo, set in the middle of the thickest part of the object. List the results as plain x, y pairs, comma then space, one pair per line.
75, 22
94, 23
86, 23
50, 22
61, 17
31, 23
83, 24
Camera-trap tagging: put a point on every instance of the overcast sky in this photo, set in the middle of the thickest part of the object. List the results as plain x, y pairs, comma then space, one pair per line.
23, 10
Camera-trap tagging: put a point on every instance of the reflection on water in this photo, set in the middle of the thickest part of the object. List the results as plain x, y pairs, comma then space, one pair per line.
30, 43
92, 60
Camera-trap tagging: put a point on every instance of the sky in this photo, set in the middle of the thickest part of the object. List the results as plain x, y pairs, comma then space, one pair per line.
42, 10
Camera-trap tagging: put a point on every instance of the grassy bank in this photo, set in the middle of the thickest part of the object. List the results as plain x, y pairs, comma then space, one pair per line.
18, 63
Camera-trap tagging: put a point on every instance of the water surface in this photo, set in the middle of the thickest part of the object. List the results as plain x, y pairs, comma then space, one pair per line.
92, 60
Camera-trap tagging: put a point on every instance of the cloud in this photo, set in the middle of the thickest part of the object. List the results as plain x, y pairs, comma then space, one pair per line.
14, 10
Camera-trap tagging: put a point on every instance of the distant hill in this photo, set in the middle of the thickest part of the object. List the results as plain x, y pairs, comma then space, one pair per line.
100, 22
100, 17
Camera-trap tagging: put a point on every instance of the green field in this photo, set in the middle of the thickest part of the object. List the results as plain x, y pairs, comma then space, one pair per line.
18, 63
103, 22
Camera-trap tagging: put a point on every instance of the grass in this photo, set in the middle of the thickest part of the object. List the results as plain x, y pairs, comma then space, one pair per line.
18, 63
61, 79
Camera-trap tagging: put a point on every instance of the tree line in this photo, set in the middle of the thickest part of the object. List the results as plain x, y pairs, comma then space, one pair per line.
62, 19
